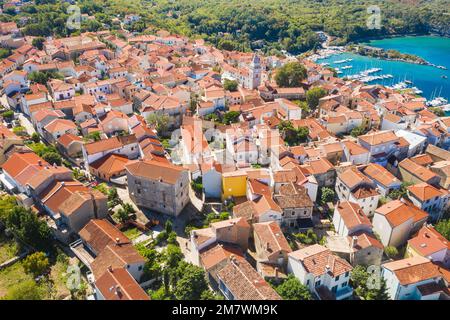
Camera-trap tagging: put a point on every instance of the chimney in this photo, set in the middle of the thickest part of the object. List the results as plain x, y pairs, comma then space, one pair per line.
39, 162
354, 241
110, 268
3, 135
327, 268
63, 183
276, 272
117, 241
118, 291
54, 165
267, 246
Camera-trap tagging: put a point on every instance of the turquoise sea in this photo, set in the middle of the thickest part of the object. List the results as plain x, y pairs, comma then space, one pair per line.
429, 79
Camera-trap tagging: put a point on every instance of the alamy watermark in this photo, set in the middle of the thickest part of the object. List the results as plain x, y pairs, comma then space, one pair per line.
374, 19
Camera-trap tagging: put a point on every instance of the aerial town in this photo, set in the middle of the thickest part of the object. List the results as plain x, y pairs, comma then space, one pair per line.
154, 166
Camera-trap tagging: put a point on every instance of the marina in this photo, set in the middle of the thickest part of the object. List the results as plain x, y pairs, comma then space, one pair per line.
431, 81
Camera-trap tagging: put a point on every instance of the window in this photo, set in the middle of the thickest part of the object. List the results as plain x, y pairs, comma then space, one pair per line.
140, 268
317, 283
344, 284
334, 289
347, 274
336, 279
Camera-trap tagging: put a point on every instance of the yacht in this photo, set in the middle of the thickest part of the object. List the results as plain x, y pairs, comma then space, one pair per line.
437, 102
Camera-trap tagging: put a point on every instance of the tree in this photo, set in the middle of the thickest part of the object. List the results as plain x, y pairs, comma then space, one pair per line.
160, 121
292, 289
230, 85
27, 226
313, 95
168, 226
302, 133
357, 131
122, 215
401, 192
4, 53
443, 227
52, 158
24, 290
113, 197
437, 111
307, 238
391, 251
35, 137
360, 279
290, 75
231, 117
36, 263
192, 283
38, 43
291, 135
44, 77
8, 115
7, 203
327, 195
210, 295
128, 207
95, 136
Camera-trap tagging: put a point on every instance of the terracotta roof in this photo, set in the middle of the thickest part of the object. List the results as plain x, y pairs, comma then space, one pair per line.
60, 125
352, 214
438, 152
397, 212
293, 196
354, 148
99, 233
318, 260
109, 144
379, 137
58, 192
116, 256
352, 177
271, 237
155, 170
110, 164
428, 241
218, 253
422, 159
413, 270
423, 191
380, 174
22, 166
320, 166
66, 139
418, 171
245, 283
365, 240
118, 284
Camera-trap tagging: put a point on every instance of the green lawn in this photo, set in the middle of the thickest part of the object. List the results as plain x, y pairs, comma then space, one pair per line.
12, 276
53, 288
132, 233
8, 249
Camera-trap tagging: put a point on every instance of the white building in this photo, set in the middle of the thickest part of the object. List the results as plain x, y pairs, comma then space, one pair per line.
321, 271
414, 278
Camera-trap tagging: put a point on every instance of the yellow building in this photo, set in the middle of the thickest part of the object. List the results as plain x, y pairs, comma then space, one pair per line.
234, 184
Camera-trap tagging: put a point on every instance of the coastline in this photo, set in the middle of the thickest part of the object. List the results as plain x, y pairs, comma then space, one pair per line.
364, 40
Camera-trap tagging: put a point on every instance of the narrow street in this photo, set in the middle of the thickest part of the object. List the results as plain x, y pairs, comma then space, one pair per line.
24, 122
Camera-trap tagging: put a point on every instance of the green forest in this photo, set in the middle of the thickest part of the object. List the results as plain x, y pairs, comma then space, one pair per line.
270, 25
